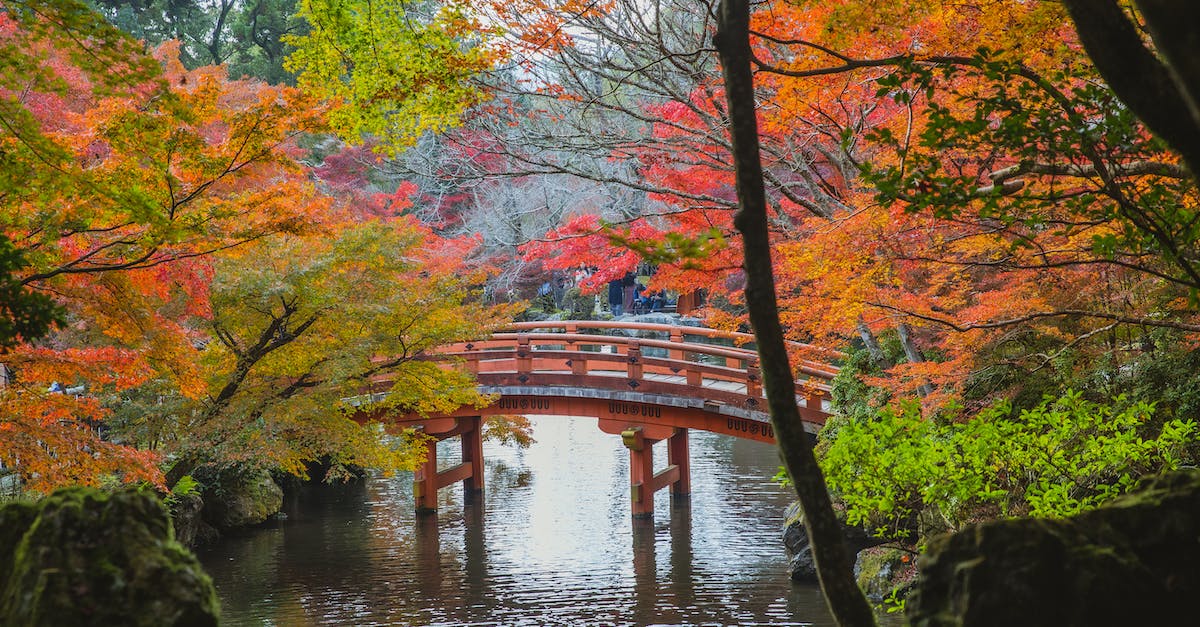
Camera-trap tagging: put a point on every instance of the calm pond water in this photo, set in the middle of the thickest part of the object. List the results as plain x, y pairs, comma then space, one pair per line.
551, 543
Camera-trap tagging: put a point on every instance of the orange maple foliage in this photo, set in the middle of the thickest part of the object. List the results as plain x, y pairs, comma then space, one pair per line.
131, 191
974, 293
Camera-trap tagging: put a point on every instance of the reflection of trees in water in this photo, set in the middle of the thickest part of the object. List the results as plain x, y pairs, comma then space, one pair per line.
501, 477
336, 533
245, 568
277, 570
358, 554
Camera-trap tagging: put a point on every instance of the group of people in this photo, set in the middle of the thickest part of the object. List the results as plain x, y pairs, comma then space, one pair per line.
627, 295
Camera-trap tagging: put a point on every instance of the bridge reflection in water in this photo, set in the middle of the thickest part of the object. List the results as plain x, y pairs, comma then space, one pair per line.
648, 383
550, 544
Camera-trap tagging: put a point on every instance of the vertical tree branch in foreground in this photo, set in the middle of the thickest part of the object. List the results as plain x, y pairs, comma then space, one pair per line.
834, 568
1165, 97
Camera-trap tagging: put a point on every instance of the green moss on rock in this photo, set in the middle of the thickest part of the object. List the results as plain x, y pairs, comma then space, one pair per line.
1131, 563
801, 565
15, 520
884, 571
242, 500
91, 558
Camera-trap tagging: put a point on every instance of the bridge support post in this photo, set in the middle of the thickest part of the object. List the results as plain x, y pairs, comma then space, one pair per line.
425, 485
472, 453
427, 480
677, 455
641, 472
643, 481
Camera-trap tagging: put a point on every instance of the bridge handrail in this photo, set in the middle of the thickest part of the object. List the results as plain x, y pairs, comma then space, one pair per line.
662, 328
520, 357
751, 357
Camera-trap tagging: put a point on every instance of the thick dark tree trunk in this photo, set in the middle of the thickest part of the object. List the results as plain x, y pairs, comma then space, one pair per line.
834, 567
1164, 95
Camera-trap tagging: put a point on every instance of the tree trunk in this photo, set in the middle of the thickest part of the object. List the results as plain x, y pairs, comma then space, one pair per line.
878, 358
913, 354
834, 568
1163, 96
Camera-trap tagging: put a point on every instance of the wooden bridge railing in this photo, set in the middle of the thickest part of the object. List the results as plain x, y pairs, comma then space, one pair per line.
557, 353
646, 389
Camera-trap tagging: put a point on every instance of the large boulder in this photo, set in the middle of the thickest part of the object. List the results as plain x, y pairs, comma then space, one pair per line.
15, 519
187, 517
1133, 562
84, 557
885, 572
242, 500
800, 559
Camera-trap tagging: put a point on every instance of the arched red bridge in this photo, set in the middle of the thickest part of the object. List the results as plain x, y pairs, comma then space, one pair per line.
645, 382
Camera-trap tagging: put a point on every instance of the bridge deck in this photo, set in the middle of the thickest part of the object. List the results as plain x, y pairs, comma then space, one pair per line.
645, 389
691, 381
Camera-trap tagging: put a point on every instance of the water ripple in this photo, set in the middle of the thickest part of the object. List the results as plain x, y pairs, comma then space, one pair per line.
552, 543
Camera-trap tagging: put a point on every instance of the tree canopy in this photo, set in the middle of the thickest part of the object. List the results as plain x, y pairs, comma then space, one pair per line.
992, 207
183, 284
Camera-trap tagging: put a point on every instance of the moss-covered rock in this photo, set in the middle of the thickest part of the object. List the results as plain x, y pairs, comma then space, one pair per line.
1130, 563
801, 565
242, 500
15, 520
91, 558
190, 529
883, 572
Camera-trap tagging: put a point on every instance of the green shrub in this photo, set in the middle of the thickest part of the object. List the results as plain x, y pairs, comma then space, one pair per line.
1061, 457
186, 486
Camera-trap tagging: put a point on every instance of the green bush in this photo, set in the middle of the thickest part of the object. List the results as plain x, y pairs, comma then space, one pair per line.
1061, 457
185, 487
581, 306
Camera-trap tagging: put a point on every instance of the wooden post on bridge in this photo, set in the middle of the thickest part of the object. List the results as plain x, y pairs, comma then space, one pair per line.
644, 482
425, 486
677, 455
472, 453
676, 337
427, 480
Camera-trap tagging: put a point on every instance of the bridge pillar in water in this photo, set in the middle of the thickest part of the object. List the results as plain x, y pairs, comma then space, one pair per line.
472, 453
643, 481
677, 455
427, 480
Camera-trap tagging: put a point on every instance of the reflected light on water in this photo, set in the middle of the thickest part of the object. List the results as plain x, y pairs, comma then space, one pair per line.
551, 542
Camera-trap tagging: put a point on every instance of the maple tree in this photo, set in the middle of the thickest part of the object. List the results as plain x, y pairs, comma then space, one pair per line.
833, 563
1013, 200
143, 202
625, 104
299, 323
112, 180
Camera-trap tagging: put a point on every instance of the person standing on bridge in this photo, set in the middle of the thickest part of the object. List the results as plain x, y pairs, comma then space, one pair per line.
614, 297
628, 293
